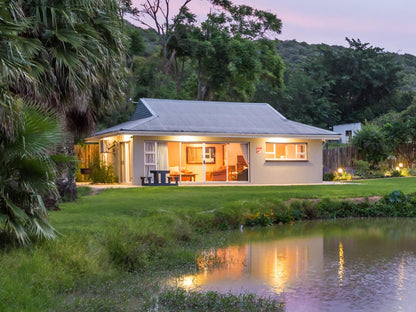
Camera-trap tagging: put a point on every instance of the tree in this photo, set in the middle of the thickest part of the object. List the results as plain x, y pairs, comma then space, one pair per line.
371, 142
81, 57
26, 134
222, 46
27, 172
307, 100
361, 77
163, 23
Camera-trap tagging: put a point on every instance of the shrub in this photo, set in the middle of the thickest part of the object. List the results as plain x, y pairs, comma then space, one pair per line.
344, 176
371, 143
102, 173
328, 208
329, 176
412, 172
396, 173
405, 172
362, 167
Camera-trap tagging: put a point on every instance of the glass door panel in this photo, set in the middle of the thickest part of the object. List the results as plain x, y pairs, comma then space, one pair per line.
238, 162
215, 156
192, 168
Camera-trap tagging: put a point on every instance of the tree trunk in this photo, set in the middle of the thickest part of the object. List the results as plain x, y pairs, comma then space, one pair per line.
65, 180
65, 177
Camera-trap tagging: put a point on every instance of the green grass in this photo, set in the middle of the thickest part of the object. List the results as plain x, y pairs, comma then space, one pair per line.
115, 246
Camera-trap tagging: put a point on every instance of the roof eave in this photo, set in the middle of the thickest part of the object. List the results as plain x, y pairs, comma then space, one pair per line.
210, 134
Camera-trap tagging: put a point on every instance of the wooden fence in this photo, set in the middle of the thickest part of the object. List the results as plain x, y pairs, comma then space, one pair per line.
340, 157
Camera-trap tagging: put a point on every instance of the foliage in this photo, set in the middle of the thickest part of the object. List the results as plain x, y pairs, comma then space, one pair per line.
307, 99
371, 143
179, 299
222, 58
27, 172
70, 61
328, 176
335, 85
362, 167
101, 173
80, 56
342, 176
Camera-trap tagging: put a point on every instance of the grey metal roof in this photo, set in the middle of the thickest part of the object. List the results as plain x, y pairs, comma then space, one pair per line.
205, 117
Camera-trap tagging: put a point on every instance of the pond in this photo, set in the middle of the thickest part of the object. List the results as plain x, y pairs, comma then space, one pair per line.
343, 265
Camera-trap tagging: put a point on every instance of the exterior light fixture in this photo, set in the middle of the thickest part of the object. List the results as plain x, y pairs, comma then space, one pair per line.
340, 170
397, 168
401, 165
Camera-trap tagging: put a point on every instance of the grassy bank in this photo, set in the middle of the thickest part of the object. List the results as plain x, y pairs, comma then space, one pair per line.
115, 246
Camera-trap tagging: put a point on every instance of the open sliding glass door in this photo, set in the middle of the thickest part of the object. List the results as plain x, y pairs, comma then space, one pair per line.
215, 161
204, 162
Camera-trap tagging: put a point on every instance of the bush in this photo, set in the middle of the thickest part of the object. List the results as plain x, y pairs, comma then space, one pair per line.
371, 143
344, 176
306, 209
102, 173
412, 172
328, 208
362, 167
329, 176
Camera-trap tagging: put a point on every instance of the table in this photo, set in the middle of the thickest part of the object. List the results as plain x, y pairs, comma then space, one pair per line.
190, 176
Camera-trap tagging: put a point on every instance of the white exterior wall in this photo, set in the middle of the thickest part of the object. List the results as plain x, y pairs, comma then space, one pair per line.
260, 170
113, 157
353, 127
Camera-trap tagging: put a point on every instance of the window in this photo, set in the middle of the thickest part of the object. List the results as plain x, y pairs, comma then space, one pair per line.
286, 151
149, 157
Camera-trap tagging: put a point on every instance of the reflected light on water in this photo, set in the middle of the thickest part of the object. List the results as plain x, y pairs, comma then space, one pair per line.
400, 279
362, 270
341, 264
268, 267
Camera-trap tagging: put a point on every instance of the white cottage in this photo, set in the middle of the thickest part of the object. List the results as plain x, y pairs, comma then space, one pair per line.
208, 142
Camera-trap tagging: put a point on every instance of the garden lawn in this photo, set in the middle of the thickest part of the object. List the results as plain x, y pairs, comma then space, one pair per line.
140, 202
113, 245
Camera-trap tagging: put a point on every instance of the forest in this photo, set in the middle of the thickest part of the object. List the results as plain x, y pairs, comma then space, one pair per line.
316, 84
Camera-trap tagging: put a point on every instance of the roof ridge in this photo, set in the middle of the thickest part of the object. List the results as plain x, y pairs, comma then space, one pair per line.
205, 102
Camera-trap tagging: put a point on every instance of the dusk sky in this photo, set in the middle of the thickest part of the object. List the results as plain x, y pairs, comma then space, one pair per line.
383, 23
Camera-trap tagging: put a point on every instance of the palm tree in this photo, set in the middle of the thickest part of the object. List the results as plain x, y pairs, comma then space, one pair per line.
26, 134
27, 172
15, 65
82, 59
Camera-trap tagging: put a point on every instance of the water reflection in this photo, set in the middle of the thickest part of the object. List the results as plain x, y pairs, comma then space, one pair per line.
345, 269
341, 264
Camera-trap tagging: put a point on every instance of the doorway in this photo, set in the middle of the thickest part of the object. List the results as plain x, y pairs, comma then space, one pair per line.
125, 165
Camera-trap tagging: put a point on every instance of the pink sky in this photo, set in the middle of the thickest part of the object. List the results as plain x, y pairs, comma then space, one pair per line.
383, 23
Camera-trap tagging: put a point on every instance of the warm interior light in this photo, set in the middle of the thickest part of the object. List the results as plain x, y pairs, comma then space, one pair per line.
340, 170
401, 165
188, 138
279, 140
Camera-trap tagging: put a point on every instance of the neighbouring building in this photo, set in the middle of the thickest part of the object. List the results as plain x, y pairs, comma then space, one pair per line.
347, 131
207, 142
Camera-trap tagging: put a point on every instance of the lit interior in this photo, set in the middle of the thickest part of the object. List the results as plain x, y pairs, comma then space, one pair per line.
286, 151
202, 162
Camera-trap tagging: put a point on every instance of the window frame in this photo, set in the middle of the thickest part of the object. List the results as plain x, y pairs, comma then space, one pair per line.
306, 152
